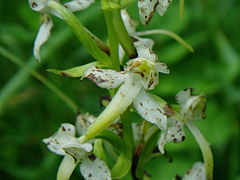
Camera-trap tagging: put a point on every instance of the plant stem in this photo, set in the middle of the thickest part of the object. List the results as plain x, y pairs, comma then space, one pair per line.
113, 41
123, 36
205, 148
72, 105
86, 38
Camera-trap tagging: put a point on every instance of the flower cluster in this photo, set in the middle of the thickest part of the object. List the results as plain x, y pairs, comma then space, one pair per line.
113, 133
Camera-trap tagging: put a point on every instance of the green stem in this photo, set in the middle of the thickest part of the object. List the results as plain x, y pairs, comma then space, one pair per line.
72, 105
113, 41
123, 36
86, 38
205, 148
127, 130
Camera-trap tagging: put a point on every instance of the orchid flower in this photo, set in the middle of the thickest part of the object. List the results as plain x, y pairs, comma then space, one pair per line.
140, 74
148, 7
64, 143
47, 24
131, 25
192, 108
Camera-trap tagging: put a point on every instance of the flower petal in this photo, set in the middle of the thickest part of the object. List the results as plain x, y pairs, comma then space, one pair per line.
42, 36
150, 110
162, 67
64, 139
192, 106
38, 5
77, 5
94, 169
146, 9
197, 172
129, 23
144, 49
83, 122
175, 133
105, 78
162, 6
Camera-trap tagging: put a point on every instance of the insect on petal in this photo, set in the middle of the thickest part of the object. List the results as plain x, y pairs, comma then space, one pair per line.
93, 168
42, 36
150, 110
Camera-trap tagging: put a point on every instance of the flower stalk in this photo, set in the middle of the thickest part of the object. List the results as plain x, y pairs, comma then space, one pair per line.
205, 148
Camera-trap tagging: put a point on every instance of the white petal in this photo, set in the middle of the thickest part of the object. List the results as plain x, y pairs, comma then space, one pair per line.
77, 5
192, 106
39, 5
64, 139
162, 6
183, 96
196, 173
42, 36
146, 9
83, 122
105, 78
175, 133
66, 168
129, 23
150, 110
95, 169
144, 49
121, 53
162, 67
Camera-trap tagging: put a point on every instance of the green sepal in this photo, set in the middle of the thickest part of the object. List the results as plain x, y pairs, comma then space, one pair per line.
114, 140
99, 150
122, 167
110, 4
75, 71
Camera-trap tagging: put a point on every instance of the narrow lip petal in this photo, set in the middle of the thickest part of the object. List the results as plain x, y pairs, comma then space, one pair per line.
42, 36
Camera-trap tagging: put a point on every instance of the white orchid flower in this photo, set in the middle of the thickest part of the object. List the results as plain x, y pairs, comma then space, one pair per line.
131, 25
64, 142
47, 24
140, 74
148, 7
197, 172
192, 107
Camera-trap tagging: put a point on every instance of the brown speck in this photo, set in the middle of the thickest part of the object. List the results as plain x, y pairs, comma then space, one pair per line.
92, 157
34, 5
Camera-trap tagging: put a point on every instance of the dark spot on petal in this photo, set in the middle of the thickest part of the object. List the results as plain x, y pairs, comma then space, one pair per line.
92, 157
34, 5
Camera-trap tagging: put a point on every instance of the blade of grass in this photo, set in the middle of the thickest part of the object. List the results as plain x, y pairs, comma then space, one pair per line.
72, 105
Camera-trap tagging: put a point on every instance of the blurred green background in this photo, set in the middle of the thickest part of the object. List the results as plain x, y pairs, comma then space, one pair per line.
30, 112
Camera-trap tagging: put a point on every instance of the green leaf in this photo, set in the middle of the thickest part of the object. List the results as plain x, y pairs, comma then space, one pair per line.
75, 71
